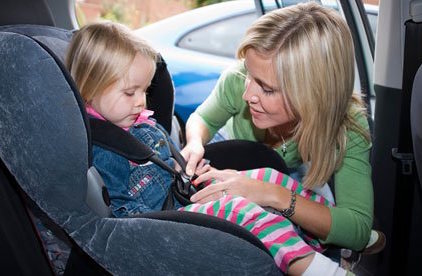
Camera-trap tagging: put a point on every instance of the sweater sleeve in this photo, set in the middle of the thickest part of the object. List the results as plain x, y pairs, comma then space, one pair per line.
225, 100
353, 214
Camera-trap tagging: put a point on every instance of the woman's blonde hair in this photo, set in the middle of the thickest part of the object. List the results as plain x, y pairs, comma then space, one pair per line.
101, 53
313, 55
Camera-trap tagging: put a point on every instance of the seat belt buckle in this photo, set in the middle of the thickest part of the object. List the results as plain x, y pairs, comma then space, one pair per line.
186, 179
406, 160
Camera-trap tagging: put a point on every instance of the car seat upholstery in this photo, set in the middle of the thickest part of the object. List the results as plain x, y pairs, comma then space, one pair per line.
45, 145
416, 121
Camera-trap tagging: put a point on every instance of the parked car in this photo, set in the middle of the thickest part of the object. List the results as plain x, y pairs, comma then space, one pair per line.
198, 44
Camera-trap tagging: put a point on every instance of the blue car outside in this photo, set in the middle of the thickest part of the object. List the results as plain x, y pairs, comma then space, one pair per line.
199, 44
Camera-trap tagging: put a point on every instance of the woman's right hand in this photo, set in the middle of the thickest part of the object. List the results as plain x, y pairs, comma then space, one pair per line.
193, 153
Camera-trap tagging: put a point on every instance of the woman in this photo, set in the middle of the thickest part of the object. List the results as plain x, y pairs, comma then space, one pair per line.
293, 90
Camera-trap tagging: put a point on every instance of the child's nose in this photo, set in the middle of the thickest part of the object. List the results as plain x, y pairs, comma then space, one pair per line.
140, 100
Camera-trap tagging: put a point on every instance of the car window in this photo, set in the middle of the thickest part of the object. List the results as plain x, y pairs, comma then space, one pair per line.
219, 38
132, 13
372, 17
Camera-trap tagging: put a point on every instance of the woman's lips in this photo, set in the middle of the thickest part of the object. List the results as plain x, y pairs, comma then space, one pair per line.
255, 112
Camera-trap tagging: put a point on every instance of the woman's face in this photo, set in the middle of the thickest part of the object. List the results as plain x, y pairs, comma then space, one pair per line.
267, 104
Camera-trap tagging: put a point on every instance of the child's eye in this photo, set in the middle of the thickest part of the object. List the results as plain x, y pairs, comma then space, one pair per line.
129, 93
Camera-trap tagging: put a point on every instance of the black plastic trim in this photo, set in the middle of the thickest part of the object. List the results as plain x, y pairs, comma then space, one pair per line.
359, 54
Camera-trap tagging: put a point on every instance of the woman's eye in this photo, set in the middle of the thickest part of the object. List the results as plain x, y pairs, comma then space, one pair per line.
267, 91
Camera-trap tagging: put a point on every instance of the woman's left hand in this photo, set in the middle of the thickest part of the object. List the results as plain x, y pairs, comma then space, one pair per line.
231, 182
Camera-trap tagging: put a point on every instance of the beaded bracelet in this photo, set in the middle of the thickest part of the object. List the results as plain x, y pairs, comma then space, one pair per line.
288, 212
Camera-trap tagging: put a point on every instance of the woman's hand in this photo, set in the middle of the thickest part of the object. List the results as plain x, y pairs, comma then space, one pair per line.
193, 153
231, 182
203, 167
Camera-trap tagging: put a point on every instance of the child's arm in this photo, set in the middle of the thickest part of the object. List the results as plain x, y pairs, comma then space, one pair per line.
115, 171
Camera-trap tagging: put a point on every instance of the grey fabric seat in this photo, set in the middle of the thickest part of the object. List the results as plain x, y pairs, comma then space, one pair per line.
25, 12
45, 145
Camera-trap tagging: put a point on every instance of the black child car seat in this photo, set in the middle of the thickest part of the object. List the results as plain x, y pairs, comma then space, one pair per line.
45, 149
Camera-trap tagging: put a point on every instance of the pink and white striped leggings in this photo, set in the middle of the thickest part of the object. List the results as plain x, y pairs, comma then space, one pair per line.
276, 232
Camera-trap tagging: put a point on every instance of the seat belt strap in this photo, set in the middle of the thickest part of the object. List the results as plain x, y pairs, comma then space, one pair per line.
115, 139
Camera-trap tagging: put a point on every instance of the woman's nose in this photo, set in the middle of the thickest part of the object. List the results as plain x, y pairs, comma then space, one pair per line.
250, 94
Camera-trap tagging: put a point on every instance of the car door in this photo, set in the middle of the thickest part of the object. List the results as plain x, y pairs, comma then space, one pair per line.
386, 70
398, 194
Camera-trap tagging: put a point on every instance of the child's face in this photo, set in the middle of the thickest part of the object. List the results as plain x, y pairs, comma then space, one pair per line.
122, 101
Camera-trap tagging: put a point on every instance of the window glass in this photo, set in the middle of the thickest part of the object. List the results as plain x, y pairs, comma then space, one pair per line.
371, 8
373, 18
219, 38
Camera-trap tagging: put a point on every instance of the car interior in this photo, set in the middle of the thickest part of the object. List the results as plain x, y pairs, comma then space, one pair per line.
50, 192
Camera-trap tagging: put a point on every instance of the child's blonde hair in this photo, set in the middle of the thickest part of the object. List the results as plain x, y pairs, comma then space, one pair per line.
313, 55
101, 53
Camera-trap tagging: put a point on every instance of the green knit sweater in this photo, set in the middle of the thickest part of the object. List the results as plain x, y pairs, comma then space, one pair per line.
353, 214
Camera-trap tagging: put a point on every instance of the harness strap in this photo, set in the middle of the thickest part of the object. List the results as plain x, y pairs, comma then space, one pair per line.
117, 140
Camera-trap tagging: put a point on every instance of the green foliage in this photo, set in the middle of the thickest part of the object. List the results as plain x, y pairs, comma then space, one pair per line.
80, 16
201, 3
116, 12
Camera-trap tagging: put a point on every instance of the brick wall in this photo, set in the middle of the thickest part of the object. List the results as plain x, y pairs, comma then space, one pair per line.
136, 12
373, 2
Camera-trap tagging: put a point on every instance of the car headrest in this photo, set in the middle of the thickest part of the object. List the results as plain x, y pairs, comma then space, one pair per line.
56, 39
45, 145
25, 12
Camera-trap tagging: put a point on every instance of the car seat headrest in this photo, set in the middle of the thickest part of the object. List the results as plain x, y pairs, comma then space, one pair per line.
55, 39
52, 145
25, 11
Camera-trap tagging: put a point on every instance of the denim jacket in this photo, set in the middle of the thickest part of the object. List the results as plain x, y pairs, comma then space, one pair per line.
137, 188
